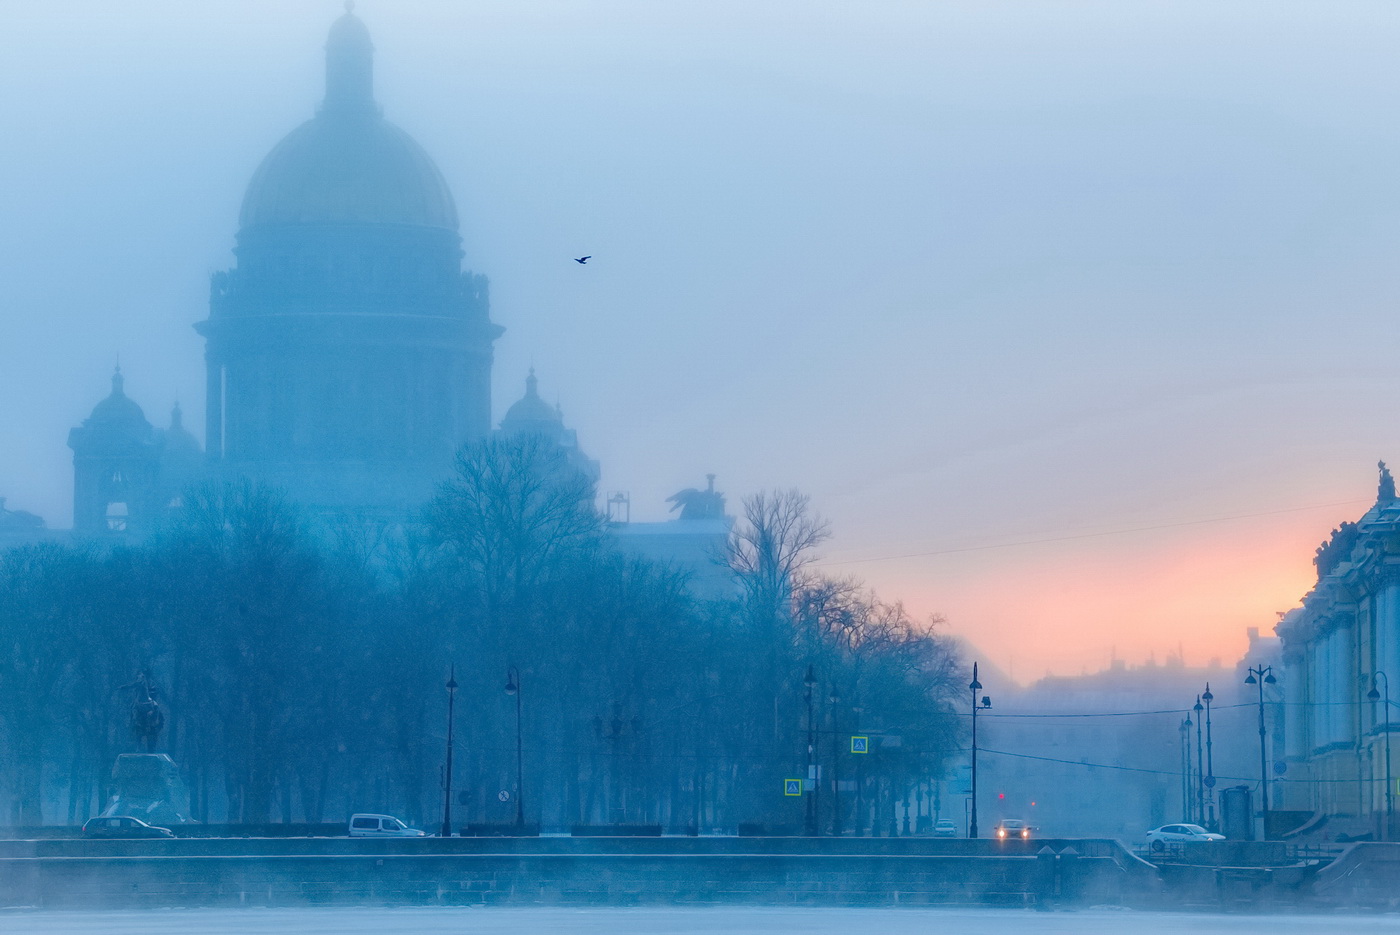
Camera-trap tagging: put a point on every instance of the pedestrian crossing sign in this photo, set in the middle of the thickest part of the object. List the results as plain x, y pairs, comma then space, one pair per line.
792, 787
860, 744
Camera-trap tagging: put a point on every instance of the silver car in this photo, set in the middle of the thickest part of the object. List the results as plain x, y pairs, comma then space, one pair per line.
381, 826
1159, 838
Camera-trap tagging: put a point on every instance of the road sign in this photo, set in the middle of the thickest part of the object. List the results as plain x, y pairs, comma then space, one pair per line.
792, 787
503, 795
860, 744
1280, 767
1209, 782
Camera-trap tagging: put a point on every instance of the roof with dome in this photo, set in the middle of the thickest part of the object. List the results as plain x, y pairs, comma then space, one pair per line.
530, 410
348, 165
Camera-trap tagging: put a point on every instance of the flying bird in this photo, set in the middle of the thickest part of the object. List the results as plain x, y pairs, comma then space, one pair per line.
582, 259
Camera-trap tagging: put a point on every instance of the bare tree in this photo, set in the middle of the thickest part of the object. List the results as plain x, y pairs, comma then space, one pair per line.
515, 506
769, 548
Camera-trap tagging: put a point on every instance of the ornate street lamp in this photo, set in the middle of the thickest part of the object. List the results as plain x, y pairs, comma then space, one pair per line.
859, 821
447, 772
1389, 785
1200, 762
1261, 676
834, 699
1210, 765
513, 688
809, 682
1185, 731
976, 688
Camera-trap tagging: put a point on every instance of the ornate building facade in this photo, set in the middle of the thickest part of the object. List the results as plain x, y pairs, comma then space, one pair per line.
348, 352
126, 472
1339, 650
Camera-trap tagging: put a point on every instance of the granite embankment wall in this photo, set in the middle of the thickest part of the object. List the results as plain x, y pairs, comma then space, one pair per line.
281, 872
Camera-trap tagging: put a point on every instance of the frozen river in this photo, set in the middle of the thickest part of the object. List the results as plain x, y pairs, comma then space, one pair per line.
678, 921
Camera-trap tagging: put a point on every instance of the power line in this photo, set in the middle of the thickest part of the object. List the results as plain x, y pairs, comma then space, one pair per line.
1156, 772
1091, 535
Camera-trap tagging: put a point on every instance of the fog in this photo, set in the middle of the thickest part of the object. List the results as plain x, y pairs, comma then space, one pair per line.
681, 921
1087, 307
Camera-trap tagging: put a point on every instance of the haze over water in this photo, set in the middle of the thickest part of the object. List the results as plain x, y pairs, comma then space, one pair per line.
1076, 319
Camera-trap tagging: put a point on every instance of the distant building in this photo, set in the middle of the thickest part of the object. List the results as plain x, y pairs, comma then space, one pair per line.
348, 353
693, 543
1343, 642
18, 527
126, 473
531, 415
1103, 754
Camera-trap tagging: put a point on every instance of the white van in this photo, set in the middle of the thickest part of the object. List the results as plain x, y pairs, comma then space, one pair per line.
381, 826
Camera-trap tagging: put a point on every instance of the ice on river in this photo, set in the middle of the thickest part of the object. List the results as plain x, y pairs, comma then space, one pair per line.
677, 921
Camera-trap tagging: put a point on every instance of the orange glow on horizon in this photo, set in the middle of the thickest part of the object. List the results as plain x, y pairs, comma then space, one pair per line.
1069, 607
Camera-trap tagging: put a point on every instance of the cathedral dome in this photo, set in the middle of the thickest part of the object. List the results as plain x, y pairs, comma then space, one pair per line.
530, 412
119, 411
348, 165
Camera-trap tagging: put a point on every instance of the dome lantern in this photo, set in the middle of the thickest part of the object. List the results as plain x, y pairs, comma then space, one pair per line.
349, 66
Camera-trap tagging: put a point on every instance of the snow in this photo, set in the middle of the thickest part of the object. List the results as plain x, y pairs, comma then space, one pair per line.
678, 921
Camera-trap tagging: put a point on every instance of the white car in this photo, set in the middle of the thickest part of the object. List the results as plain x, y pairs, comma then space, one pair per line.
1159, 838
381, 826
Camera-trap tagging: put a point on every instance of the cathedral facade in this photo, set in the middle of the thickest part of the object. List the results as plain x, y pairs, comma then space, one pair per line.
348, 352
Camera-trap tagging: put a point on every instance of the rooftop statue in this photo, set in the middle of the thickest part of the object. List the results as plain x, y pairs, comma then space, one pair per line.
699, 504
1386, 491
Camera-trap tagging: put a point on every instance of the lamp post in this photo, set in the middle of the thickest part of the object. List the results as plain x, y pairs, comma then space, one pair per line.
1200, 765
1260, 676
1389, 786
809, 682
447, 773
859, 819
834, 699
1185, 731
513, 688
1210, 765
975, 687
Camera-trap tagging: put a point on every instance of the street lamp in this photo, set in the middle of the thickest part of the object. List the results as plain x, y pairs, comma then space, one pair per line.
447, 773
1185, 730
1200, 765
809, 681
859, 820
975, 688
1389, 787
834, 699
513, 688
1210, 765
1261, 676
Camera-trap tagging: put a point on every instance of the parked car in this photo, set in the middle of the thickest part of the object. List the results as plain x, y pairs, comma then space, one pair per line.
1012, 828
944, 828
381, 826
1159, 838
123, 826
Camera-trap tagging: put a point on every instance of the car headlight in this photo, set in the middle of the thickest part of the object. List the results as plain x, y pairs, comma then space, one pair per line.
1001, 832
1025, 832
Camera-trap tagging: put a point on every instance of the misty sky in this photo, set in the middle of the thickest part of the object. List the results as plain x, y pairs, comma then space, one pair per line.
1078, 320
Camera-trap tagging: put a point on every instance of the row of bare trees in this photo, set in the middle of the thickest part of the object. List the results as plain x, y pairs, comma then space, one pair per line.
302, 671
